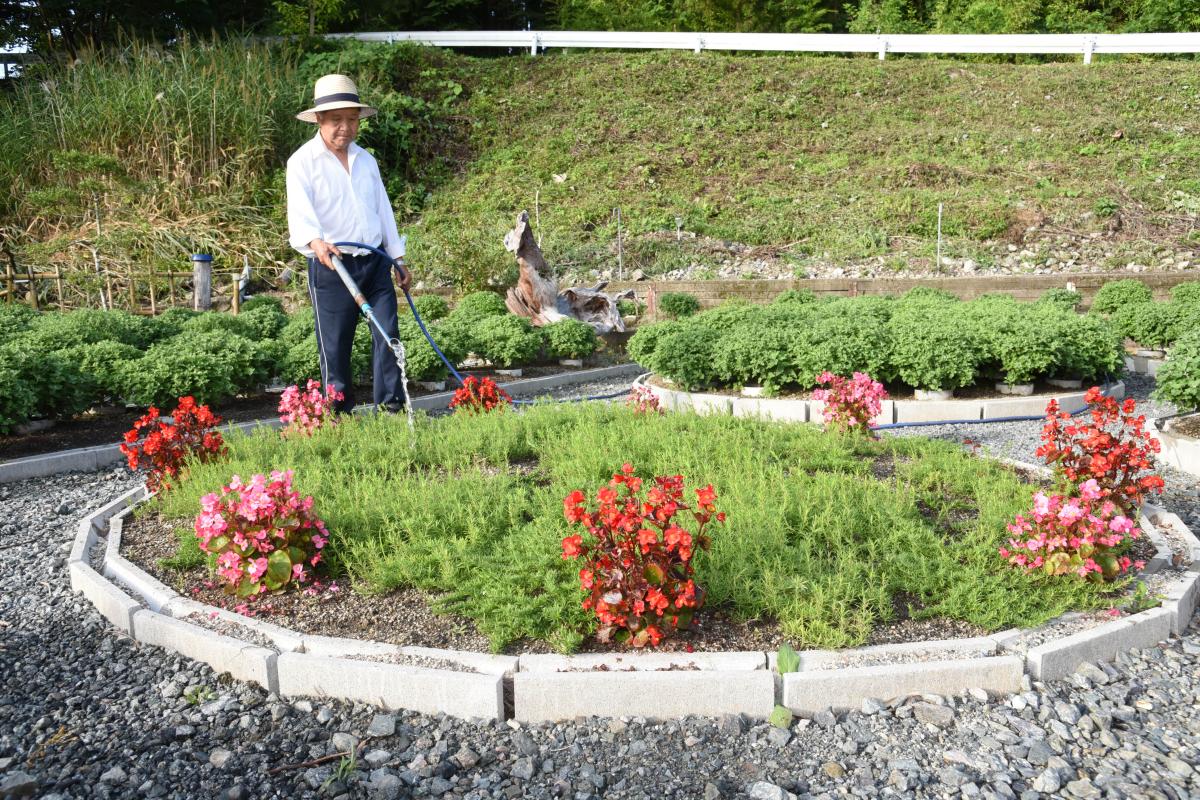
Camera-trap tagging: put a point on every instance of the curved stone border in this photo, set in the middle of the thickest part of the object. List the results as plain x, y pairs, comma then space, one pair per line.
85, 459
1181, 452
1140, 365
892, 411
537, 688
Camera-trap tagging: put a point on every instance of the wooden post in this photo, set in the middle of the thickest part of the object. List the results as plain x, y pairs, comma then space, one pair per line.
59, 284
153, 299
133, 304
201, 281
237, 294
171, 287
108, 289
12, 283
33, 297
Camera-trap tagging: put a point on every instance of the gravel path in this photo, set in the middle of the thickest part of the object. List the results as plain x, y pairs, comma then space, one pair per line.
87, 712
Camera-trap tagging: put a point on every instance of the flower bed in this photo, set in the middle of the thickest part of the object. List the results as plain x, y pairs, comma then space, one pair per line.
826, 536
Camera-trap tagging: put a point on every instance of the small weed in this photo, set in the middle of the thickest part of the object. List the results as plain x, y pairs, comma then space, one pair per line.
1141, 600
345, 767
196, 695
787, 660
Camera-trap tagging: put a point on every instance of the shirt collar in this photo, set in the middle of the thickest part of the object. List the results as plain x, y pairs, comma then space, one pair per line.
318, 145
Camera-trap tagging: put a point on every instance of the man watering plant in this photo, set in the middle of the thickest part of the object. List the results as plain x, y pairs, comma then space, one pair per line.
335, 194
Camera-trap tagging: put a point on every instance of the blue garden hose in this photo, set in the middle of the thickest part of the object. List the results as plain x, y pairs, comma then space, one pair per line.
352, 287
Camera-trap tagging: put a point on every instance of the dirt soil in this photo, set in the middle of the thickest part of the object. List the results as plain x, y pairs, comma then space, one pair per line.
1187, 426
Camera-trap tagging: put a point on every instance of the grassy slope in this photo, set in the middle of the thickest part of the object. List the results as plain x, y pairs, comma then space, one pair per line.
807, 157
845, 157
812, 539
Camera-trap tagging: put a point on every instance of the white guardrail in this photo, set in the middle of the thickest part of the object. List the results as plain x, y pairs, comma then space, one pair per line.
1087, 44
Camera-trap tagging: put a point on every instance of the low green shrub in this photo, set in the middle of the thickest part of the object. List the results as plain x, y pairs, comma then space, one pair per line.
218, 322
508, 340
479, 305
1089, 348
1149, 324
1186, 292
17, 400
800, 297
103, 364
263, 301
1066, 299
727, 316
431, 307
60, 330
170, 323
932, 348
59, 387
641, 345
926, 294
263, 323
1015, 346
685, 355
420, 361
630, 308
301, 325
677, 305
1115, 295
1179, 378
570, 338
15, 319
209, 365
300, 362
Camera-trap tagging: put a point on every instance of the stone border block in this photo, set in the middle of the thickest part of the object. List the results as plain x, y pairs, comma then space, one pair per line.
1059, 658
155, 593
1153, 516
643, 662
807, 692
243, 661
336, 647
1181, 599
113, 604
1016, 407
394, 686
282, 639
771, 408
952, 649
938, 411
1181, 452
886, 415
670, 694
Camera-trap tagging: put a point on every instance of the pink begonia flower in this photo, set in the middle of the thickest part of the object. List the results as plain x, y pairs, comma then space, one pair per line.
257, 568
297, 570
1041, 504
1070, 513
1090, 490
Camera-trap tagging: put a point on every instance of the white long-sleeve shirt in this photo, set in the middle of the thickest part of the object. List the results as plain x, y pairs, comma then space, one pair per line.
324, 201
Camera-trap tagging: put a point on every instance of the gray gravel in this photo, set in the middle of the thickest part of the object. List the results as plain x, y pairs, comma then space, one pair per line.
87, 712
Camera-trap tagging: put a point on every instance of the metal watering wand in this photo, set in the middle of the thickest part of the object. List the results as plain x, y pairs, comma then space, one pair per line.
394, 343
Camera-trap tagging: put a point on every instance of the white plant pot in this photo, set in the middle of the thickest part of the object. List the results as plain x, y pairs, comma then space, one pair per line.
432, 386
1151, 353
571, 362
511, 373
1016, 389
752, 391
1066, 383
934, 394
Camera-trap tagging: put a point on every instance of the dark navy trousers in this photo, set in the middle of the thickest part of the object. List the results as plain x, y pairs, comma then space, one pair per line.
337, 316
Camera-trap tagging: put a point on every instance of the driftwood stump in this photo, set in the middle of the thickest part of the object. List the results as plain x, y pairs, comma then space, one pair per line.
538, 298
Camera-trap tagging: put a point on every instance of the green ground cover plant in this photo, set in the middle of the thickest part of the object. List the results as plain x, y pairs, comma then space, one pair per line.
471, 511
1179, 378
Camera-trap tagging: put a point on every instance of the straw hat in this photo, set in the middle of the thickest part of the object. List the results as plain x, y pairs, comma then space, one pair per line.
334, 91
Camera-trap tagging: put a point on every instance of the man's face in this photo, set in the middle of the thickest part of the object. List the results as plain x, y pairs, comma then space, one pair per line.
338, 127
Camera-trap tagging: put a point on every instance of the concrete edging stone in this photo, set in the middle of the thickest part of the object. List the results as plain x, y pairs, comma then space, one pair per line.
891, 411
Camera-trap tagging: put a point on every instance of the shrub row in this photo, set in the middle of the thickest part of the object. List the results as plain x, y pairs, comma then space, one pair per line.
1130, 307
56, 365
925, 339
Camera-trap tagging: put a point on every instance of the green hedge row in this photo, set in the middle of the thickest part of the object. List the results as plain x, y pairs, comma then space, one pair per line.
57, 365
926, 339
1131, 309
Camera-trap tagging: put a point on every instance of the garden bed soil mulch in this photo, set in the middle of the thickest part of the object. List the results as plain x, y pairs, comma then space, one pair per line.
1187, 426
109, 426
405, 617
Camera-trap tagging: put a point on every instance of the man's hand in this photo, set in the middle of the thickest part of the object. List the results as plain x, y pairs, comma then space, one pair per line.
323, 251
404, 272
